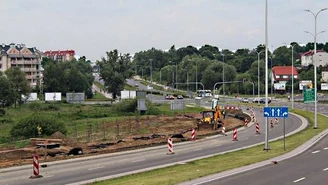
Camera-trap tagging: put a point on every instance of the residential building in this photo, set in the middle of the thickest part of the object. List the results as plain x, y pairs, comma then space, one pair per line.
64, 55
27, 59
281, 74
321, 58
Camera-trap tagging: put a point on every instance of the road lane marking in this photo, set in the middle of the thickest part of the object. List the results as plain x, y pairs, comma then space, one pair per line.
95, 168
326, 148
197, 149
314, 152
139, 160
299, 179
325, 169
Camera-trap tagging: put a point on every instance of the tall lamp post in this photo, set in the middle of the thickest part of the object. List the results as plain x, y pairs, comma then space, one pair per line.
266, 145
292, 46
258, 76
293, 75
176, 75
151, 74
196, 77
223, 90
314, 65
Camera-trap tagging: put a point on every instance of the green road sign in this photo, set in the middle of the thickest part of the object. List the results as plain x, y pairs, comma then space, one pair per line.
308, 95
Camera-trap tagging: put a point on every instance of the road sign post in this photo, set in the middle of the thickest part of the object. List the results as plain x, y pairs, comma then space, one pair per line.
281, 112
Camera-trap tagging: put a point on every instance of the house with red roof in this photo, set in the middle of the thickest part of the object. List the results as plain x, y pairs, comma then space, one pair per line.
280, 75
60, 55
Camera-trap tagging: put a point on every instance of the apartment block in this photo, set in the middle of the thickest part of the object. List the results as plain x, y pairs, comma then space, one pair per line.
27, 59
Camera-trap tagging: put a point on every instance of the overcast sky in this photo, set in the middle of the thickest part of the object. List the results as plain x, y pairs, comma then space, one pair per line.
92, 27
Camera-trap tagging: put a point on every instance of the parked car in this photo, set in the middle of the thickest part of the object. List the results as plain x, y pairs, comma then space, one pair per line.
179, 97
256, 100
244, 100
169, 97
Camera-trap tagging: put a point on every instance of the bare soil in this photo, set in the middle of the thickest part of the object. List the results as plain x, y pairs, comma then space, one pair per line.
159, 129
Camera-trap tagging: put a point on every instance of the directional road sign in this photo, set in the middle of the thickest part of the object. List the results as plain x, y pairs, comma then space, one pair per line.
308, 95
275, 112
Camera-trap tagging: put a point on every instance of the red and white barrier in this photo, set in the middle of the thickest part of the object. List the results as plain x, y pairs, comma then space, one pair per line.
170, 146
36, 167
223, 131
234, 136
245, 122
193, 134
257, 128
271, 123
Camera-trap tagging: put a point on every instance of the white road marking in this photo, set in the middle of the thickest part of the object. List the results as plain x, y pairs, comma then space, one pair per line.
325, 148
246, 137
139, 160
47, 176
325, 169
95, 168
197, 149
299, 179
314, 152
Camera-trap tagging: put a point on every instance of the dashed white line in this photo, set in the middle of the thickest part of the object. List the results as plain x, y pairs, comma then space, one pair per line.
299, 179
314, 152
138, 160
325, 148
95, 168
198, 149
325, 169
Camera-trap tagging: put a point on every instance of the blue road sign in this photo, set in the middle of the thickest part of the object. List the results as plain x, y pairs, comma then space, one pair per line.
275, 112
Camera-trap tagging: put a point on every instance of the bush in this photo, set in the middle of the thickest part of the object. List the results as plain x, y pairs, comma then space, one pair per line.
125, 106
34, 106
2, 112
27, 127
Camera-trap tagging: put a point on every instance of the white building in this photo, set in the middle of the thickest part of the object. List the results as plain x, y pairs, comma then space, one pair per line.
321, 58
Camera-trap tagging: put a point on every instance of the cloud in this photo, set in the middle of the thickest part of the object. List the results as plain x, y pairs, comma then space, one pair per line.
94, 27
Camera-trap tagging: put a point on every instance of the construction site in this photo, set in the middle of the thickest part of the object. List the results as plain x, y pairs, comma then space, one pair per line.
157, 131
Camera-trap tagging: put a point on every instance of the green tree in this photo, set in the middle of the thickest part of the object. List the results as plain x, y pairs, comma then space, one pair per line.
6, 92
115, 68
19, 84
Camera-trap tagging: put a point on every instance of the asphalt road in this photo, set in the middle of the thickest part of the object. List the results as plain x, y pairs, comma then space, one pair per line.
311, 167
118, 164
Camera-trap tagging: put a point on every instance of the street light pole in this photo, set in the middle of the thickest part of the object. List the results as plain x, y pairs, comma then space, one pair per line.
176, 74
196, 77
258, 76
314, 65
223, 90
266, 146
151, 74
293, 76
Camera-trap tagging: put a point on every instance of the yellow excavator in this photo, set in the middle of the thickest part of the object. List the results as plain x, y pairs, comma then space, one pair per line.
212, 117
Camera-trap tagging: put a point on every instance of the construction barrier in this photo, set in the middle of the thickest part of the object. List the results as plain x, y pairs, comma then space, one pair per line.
193, 134
170, 146
271, 123
245, 122
234, 135
257, 128
223, 131
36, 167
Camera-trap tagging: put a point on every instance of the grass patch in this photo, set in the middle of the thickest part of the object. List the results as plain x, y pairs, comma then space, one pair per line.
78, 117
199, 168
